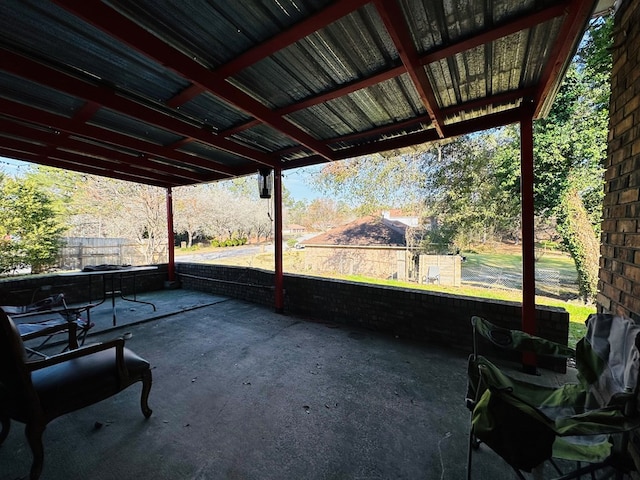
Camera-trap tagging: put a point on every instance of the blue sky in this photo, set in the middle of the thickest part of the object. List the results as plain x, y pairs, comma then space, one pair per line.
11, 166
297, 181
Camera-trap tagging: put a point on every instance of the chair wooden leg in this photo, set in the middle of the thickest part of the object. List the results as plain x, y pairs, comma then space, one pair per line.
146, 389
5, 422
34, 433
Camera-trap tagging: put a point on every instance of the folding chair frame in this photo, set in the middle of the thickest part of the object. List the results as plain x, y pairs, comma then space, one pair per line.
622, 404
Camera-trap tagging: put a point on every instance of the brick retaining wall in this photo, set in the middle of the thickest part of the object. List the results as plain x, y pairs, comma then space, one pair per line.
77, 288
435, 317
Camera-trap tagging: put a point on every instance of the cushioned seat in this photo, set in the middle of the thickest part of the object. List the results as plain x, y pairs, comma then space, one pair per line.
36, 392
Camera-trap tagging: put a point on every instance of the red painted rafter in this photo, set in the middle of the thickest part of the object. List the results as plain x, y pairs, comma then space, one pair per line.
114, 24
491, 121
45, 119
297, 32
104, 96
500, 98
63, 141
187, 94
326, 97
469, 126
87, 111
36, 153
393, 19
508, 28
577, 15
330, 14
395, 128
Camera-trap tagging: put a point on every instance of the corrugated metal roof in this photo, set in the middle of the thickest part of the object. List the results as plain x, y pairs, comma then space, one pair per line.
184, 92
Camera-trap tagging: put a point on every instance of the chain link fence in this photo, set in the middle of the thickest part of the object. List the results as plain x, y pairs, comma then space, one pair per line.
550, 282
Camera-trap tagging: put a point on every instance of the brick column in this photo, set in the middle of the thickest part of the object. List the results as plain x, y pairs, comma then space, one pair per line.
619, 284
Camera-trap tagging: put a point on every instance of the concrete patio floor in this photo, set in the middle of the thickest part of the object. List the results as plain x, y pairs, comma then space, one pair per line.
240, 392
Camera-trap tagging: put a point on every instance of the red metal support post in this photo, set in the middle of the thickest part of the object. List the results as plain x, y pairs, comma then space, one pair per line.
528, 239
171, 274
279, 276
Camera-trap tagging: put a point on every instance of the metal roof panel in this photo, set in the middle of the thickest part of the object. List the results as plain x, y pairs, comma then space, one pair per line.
49, 32
37, 95
284, 83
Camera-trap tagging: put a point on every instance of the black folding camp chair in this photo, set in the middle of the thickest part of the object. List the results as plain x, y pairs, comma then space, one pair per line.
560, 432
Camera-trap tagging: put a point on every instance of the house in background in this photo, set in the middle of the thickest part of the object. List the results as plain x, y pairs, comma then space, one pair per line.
376, 246
399, 217
294, 229
368, 246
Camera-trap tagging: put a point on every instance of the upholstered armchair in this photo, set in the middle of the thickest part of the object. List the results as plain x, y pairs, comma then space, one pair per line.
35, 392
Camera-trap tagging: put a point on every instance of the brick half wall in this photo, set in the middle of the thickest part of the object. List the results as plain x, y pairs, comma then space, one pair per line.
442, 319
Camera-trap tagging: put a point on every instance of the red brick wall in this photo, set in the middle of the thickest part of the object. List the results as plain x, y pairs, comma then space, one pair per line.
619, 284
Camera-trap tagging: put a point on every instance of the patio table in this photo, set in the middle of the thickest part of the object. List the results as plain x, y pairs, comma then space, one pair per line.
112, 284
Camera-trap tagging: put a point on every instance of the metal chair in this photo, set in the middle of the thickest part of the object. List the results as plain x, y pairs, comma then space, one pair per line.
52, 310
433, 275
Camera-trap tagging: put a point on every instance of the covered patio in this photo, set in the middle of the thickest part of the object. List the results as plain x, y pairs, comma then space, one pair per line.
142, 92
167, 96
240, 392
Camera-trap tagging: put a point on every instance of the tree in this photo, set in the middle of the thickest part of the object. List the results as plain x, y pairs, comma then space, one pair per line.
223, 211
569, 151
578, 236
30, 229
463, 193
126, 210
323, 214
190, 210
373, 183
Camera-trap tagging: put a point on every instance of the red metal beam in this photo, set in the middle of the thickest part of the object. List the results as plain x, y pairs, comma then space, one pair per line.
42, 151
528, 233
30, 152
171, 270
303, 29
325, 97
187, 94
279, 272
116, 25
577, 16
46, 119
71, 85
393, 19
510, 27
385, 129
498, 99
55, 141
412, 122
461, 128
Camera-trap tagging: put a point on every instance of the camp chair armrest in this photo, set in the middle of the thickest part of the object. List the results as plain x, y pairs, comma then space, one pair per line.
79, 308
60, 310
518, 340
606, 420
46, 331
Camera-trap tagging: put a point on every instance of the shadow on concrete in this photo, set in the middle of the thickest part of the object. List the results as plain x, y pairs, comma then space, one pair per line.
241, 392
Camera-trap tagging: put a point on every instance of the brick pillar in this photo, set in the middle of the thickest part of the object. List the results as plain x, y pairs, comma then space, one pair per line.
619, 284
